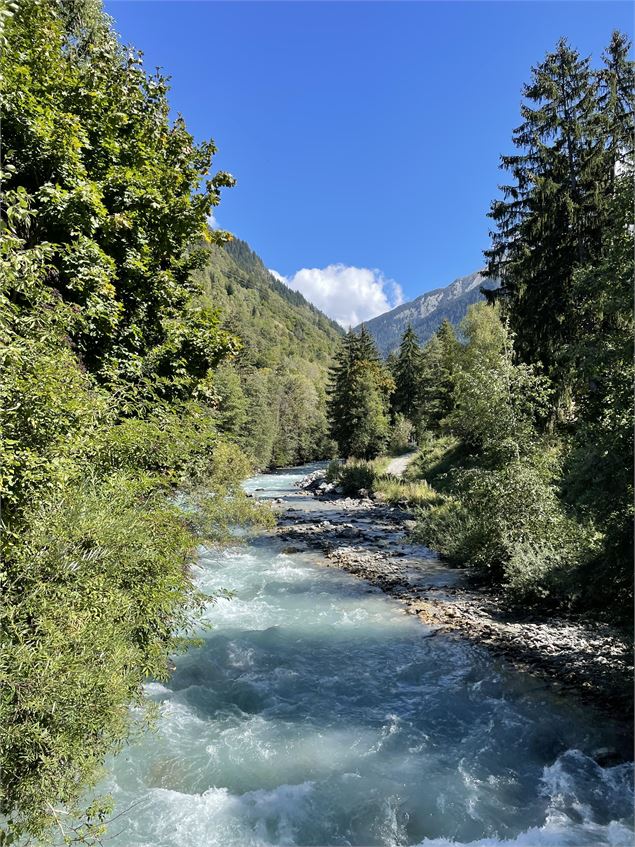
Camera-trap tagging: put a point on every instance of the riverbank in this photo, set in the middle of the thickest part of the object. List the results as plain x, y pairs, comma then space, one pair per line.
370, 540
313, 710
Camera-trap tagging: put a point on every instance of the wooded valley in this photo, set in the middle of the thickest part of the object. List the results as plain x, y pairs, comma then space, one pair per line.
151, 363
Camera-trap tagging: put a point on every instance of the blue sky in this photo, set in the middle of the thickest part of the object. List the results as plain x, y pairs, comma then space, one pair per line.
363, 135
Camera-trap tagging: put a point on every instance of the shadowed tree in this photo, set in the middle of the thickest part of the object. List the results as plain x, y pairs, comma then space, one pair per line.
406, 399
549, 221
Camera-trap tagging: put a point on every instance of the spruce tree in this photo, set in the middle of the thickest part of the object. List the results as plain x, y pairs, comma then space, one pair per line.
549, 220
368, 412
366, 349
407, 374
338, 393
439, 359
616, 87
358, 397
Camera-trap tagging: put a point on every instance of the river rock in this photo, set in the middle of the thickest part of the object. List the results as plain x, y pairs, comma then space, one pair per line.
592, 659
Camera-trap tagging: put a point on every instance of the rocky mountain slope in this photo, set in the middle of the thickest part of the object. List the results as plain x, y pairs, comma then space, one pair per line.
427, 311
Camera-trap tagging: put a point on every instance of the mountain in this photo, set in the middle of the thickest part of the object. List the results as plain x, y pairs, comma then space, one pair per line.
273, 321
271, 398
427, 312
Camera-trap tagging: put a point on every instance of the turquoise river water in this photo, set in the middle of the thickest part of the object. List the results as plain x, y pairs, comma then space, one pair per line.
318, 713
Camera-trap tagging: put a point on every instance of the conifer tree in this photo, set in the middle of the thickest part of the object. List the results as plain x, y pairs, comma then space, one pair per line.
615, 99
366, 349
407, 374
598, 477
391, 362
358, 397
549, 221
339, 390
369, 417
439, 360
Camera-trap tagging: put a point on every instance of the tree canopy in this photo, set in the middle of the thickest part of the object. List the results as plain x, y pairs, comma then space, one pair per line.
108, 360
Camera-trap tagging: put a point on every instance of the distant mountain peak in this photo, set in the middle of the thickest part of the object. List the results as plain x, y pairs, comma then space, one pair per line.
427, 312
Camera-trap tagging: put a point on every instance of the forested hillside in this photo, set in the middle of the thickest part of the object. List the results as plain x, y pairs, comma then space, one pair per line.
426, 313
524, 418
271, 396
304, 316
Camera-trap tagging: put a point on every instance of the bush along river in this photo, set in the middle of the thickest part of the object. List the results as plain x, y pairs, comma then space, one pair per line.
317, 712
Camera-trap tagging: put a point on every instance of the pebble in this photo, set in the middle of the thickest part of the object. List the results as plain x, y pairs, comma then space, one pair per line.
591, 659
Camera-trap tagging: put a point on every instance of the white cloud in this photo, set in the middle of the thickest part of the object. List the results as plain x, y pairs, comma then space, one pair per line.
278, 276
347, 294
211, 220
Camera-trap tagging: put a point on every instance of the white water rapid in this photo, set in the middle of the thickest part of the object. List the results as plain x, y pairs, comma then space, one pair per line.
318, 713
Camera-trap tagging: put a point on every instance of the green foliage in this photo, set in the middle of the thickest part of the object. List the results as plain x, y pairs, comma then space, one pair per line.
276, 385
356, 475
502, 515
503, 518
113, 187
231, 401
358, 402
90, 615
598, 475
406, 398
401, 435
275, 323
333, 470
259, 431
438, 364
107, 405
439, 456
302, 432
368, 410
95, 585
535, 452
496, 402
554, 215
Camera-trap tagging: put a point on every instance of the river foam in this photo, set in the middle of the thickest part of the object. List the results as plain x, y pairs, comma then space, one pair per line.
317, 713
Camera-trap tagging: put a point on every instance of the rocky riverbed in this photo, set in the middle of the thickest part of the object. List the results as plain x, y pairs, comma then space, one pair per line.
371, 540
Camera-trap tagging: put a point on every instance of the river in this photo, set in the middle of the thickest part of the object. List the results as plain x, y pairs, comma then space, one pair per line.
318, 713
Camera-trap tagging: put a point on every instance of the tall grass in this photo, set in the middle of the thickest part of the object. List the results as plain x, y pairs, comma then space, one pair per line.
413, 493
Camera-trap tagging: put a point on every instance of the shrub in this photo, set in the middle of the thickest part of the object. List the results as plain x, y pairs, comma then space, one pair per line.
356, 475
445, 529
333, 471
95, 589
508, 526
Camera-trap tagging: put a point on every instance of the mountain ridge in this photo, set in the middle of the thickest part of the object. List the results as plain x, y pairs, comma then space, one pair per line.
246, 258
427, 311
271, 396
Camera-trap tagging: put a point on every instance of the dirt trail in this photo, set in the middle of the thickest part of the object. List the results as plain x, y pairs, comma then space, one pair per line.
397, 466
